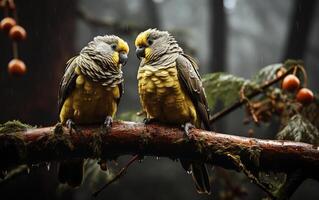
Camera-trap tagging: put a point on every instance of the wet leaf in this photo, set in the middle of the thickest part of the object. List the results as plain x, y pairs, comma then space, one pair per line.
223, 87
271, 180
94, 176
267, 73
299, 129
311, 112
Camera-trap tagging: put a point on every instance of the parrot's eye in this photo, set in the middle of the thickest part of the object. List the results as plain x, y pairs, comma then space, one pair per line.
149, 41
113, 46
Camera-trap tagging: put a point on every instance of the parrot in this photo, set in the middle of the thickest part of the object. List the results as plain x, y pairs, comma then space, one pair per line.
90, 91
171, 91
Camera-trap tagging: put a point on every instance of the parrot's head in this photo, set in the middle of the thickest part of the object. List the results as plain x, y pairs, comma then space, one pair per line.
108, 49
153, 45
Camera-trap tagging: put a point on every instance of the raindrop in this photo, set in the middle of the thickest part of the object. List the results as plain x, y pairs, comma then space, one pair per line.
48, 166
157, 158
28, 170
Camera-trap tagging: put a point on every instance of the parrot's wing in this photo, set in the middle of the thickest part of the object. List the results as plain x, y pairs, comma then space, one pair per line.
191, 81
67, 83
121, 88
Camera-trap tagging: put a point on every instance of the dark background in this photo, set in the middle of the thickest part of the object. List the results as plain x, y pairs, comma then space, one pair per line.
238, 37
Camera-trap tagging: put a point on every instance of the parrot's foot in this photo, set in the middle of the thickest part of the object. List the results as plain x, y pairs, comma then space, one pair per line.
71, 126
186, 127
107, 125
149, 120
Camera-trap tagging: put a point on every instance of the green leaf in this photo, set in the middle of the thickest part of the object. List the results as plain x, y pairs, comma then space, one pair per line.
267, 73
223, 87
299, 129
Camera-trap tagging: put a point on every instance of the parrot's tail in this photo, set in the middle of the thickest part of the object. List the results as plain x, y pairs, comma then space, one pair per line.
71, 172
199, 174
200, 177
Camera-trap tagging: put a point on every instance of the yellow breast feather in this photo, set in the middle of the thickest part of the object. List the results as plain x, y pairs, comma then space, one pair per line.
89, 102
162, 96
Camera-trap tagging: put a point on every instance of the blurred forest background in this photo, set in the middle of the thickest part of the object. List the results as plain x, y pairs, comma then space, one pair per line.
235, 36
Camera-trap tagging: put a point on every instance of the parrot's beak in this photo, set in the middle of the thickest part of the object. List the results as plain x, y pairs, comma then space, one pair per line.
123, 58
140, 52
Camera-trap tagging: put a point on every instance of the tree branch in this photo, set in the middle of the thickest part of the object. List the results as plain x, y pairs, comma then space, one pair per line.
240, 102
230, 152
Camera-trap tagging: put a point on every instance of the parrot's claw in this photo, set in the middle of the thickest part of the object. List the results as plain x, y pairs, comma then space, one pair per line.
186, 128
71, 126
107, 125
149, 120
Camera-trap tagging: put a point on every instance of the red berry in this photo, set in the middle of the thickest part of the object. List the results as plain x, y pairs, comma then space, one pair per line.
7, 23
16, 67
305, 96
17, 33
290, 83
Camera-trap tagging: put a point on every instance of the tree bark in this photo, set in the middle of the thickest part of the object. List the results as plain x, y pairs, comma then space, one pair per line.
228, 151
300, 26
218, 32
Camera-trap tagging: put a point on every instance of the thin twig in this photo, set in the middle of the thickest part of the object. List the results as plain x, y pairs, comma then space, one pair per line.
240, 102
249, 106
15, 49
117, 176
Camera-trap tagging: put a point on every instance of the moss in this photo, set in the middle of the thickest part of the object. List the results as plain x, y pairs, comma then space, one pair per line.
145, 137
14, 126
58, 129
96, 145
56, 144
254, 155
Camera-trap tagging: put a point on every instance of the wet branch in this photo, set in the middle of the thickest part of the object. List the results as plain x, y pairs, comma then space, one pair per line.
228, 151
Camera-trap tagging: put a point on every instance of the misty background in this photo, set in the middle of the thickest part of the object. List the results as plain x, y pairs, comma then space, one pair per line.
235, 36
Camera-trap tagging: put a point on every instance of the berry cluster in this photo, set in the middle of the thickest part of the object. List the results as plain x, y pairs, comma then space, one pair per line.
17, 33
291, 83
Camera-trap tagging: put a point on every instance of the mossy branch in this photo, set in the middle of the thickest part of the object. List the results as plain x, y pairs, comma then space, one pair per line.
250, 155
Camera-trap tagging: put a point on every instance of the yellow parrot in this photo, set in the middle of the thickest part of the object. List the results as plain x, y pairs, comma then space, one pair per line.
90, 91
171, 91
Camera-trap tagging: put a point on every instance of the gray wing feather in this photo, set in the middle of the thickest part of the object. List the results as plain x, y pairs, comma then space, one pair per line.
67, 83
191, 82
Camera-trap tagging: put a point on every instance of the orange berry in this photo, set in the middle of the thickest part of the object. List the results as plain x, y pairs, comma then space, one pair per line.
290, 83
16, 67
17, 33
305, 96
7, 23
